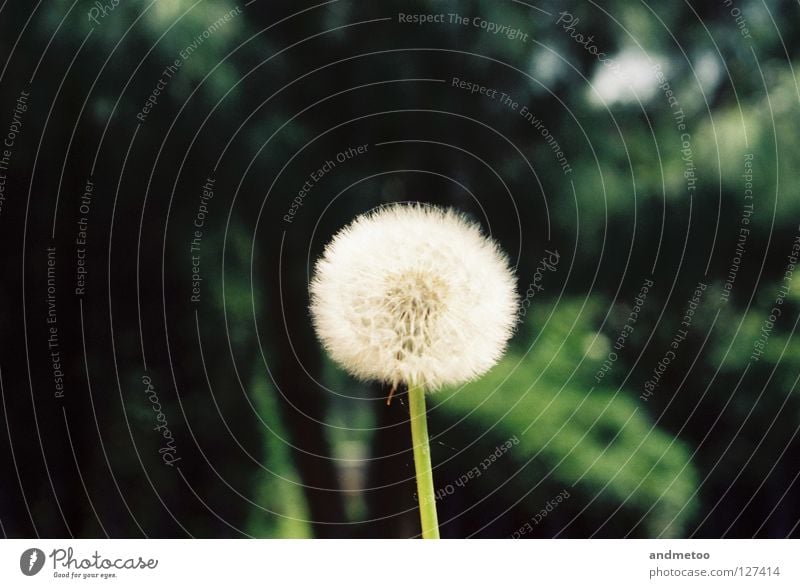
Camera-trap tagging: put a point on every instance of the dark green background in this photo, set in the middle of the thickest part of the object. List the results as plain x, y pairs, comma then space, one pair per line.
274, 440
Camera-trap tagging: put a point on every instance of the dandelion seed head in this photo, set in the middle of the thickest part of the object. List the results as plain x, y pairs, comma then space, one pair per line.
413, 294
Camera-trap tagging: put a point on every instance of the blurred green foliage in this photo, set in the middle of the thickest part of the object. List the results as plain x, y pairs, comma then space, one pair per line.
595, 441
275, 440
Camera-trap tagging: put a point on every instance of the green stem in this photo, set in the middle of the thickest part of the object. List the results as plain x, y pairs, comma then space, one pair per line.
422, 462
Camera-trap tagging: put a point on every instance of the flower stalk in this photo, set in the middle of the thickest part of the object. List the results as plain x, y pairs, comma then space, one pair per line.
422, 462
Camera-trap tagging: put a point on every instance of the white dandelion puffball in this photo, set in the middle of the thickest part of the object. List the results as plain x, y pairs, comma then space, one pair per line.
415, 295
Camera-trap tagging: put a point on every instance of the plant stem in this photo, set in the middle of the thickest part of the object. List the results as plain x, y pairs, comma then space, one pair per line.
422, 462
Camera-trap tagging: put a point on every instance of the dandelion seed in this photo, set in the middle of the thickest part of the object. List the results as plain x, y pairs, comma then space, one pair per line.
415, 295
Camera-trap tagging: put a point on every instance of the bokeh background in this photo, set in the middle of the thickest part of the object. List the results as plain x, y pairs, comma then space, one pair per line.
267, 438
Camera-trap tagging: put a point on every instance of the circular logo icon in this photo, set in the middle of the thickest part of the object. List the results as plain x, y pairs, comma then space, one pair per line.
31, 561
